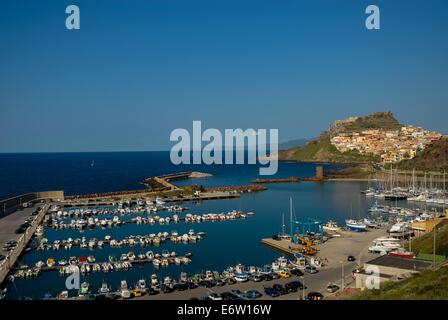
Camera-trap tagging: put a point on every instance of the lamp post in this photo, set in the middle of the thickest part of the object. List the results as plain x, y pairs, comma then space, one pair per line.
342, 275
303, 287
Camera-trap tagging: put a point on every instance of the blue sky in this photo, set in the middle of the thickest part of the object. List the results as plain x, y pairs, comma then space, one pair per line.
139, 69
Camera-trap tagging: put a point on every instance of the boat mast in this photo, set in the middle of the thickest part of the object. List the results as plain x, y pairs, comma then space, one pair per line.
290, 216
413, 180
283, 224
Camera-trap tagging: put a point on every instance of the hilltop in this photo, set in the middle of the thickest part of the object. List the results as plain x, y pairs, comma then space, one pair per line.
433, 157
377, 120
322, 150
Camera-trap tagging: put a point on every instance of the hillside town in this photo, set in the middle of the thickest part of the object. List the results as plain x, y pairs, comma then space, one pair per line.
390, 145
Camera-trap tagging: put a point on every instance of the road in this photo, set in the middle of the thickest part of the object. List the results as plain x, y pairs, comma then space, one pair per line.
336, 251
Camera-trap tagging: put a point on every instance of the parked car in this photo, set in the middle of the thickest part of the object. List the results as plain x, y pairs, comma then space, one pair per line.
207, 283
351, 258
271, 292
314, 296
192, 285
238, 293
220, 283
183, 286
285, 274
229, 296
257, 278
215, 296
332, 288
293, 286
151, 291
278, 287
267, 277
311, 269
296, 272
252, 294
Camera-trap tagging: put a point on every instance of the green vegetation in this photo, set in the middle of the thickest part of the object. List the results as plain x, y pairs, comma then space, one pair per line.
428, 285
433, 157
323, 151
378, 120
425, 244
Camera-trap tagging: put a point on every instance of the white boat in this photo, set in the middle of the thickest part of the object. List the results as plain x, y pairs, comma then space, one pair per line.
104, 288
156, 262
356, 226
154, 280
299, 260
331, 226
141, 284
241, 276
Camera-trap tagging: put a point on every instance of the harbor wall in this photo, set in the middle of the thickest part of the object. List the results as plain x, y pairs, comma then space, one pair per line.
8, 206
22, 242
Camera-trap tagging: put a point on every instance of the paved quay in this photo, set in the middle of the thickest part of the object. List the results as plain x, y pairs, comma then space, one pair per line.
337, 270
8, 225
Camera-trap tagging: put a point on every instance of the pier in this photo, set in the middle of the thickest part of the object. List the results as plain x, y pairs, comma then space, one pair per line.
285, 246
110, 201
7, 226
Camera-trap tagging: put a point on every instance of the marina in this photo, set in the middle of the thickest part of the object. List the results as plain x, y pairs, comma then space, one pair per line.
140, 239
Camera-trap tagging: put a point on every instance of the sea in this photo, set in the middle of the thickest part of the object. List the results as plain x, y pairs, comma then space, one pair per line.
225, 244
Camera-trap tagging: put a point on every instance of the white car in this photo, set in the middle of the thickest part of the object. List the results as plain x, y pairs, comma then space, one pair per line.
214, 296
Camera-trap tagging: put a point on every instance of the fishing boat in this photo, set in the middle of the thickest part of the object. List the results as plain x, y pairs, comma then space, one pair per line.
356, 226
299, 260
402, 253
371, 224
331, 226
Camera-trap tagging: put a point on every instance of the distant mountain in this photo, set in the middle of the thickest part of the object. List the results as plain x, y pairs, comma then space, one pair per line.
433, 157
322, 150
293, 143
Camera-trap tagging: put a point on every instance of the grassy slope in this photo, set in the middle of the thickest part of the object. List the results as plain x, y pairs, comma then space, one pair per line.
435, 156
429, 285
425, 243
322, 150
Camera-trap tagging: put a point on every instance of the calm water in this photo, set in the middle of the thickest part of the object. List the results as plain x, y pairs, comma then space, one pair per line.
226, 243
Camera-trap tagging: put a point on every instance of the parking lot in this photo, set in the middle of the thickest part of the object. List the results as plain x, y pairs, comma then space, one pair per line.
8, 226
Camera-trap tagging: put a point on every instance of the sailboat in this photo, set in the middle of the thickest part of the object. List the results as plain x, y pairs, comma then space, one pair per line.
355, 225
